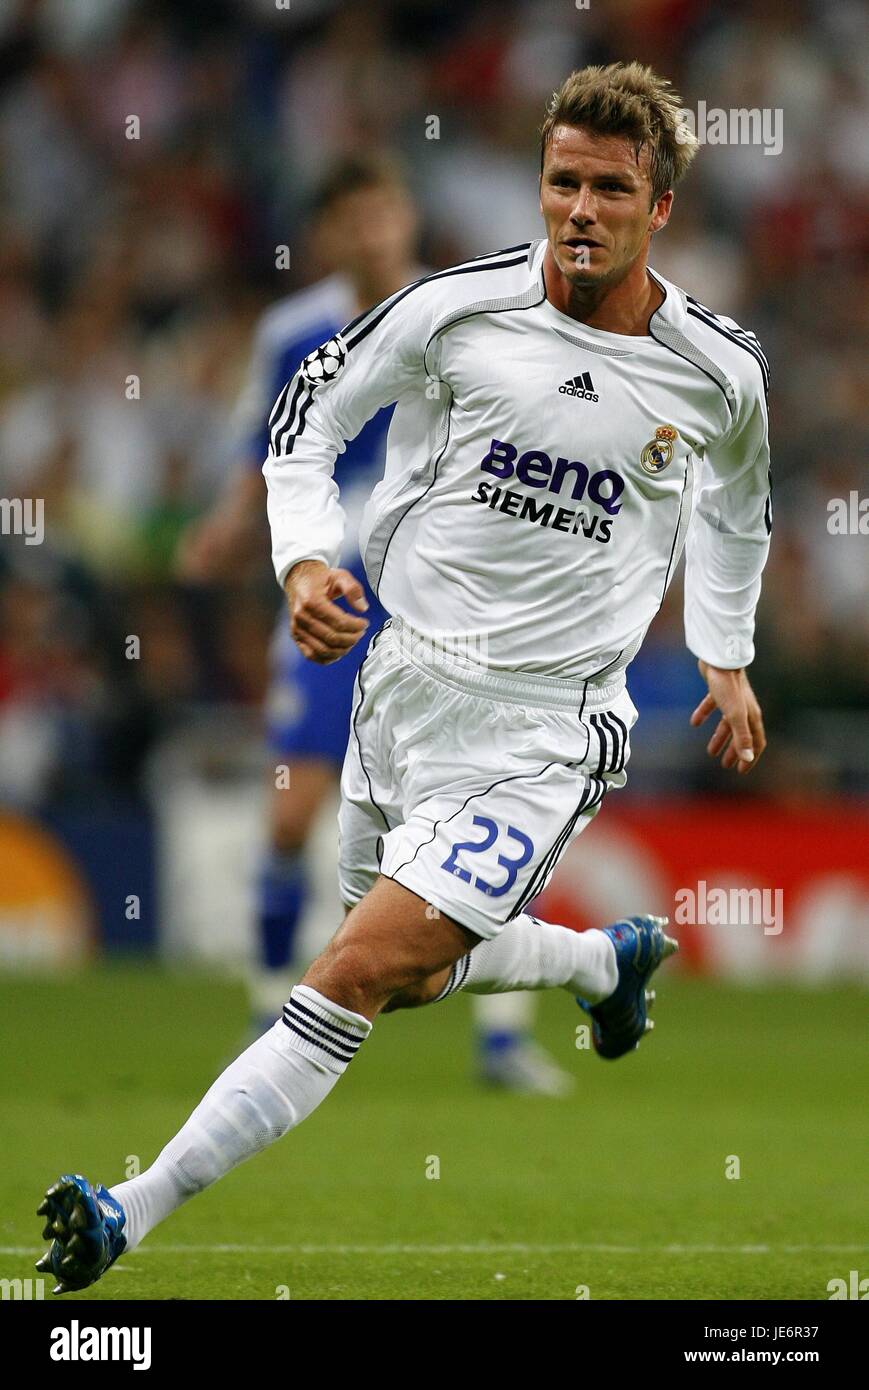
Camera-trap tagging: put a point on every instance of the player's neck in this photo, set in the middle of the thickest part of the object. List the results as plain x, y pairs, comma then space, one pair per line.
623, 308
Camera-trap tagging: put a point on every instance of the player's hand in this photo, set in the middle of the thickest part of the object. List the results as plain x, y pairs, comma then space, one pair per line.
321, 630
740, 734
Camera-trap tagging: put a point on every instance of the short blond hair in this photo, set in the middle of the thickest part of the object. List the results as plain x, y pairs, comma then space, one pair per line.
631, 100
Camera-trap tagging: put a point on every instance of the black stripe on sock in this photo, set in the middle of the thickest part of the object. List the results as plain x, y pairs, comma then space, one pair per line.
316, 1042
341, 1033
316, 1033
448, 987
464, 966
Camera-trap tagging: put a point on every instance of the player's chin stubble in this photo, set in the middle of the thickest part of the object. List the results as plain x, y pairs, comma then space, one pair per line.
582, 278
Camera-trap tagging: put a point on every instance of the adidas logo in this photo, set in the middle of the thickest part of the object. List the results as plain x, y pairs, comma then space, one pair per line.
580, 386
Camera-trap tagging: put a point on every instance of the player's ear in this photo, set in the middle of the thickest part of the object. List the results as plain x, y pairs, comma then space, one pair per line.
661, 211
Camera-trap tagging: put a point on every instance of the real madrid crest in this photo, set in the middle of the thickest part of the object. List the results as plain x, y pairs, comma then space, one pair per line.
659, 451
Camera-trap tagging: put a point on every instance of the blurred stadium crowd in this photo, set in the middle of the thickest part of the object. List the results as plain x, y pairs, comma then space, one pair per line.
132, 271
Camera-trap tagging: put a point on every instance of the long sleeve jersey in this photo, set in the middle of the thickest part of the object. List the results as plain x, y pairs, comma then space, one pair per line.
286, 333
542, 477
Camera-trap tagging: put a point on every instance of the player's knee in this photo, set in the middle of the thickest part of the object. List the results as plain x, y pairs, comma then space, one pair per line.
350, 976
352, 973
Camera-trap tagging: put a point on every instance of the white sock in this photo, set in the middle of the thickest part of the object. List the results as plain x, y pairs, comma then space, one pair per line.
274, 1085
532, 954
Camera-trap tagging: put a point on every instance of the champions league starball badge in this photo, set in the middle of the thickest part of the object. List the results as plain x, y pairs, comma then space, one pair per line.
659, 451
325, 362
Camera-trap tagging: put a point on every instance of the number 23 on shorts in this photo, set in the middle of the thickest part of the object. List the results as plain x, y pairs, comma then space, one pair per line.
511, 864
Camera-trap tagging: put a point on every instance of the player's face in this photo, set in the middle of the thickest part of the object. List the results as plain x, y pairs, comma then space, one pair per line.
369, 231
595, 200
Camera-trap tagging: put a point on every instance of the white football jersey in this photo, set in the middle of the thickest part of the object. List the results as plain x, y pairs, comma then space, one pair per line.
542, 477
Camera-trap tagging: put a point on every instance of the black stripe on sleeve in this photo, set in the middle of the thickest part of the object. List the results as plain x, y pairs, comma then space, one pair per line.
472, 269
732, 338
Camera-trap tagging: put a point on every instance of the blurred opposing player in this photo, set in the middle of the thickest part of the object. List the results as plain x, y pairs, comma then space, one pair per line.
566, 421
365, 225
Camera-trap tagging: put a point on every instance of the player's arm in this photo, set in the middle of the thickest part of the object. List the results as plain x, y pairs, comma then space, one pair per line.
726, 550
229, 534
215, 544
335, 392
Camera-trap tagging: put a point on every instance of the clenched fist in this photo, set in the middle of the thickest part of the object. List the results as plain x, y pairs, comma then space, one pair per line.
321, 630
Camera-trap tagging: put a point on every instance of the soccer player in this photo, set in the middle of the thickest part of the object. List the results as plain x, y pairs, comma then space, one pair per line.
566, 422
365, 224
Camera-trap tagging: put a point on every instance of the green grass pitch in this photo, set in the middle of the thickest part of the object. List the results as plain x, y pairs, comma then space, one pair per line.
620, 1189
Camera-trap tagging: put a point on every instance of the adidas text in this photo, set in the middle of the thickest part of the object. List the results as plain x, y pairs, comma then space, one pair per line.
581, 386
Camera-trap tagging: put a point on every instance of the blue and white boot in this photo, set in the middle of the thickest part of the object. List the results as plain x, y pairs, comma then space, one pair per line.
620, 1022
87, 1226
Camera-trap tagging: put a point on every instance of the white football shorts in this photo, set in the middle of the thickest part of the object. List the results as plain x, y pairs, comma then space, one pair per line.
466, 785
